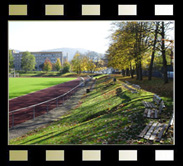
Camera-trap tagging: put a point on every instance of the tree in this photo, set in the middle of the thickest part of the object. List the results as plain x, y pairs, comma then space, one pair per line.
53, 67
153, 50
129, 42
47, 65
58, 64
90, 66
135, 45
99, 65
66, 67
165, 77
88, 62
28, 61
77, 63
11, 59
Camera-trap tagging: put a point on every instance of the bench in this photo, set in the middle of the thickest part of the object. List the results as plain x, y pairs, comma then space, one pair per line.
136, 86
131, 89
133, 85
91, 87
127, 82
154, 112
171, 122
153, 131
156, 101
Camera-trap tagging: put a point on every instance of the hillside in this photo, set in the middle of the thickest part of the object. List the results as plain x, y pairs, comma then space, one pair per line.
110, 114
70, 51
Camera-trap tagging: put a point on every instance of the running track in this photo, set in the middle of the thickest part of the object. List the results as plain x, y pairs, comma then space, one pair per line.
38, 97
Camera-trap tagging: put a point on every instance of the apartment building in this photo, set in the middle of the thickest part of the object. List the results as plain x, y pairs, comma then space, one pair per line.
40, 58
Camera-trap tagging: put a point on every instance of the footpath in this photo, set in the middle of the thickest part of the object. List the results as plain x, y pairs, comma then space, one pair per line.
52, 115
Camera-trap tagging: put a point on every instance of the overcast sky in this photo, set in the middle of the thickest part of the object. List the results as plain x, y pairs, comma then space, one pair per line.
43, 35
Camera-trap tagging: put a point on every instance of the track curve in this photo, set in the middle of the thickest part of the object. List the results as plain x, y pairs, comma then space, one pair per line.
35, 98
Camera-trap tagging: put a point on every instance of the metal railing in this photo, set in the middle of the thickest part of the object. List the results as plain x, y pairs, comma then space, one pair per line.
63, 97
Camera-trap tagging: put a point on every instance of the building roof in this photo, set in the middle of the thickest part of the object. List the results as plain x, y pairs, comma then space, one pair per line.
45, 52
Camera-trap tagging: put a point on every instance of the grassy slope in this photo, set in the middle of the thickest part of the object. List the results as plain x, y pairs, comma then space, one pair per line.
21, 86
156, 85
101, 117
100, 76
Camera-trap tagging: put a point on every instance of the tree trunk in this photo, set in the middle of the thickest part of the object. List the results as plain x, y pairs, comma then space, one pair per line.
140, 52
123, 72
153, 52
140, 71
137, 72
131, 70
127, 72
165, 77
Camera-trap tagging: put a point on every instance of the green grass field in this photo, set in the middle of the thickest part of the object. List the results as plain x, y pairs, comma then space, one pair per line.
51, 74
110, 114
21, 86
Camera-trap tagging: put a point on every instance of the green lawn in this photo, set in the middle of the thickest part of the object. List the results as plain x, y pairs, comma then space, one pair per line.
106, 115
51, 74
100, 76
21, 86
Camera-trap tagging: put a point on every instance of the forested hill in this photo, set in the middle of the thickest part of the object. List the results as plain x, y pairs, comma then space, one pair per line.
71, 51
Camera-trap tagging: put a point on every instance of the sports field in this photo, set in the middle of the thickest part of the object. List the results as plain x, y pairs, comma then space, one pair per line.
22, 86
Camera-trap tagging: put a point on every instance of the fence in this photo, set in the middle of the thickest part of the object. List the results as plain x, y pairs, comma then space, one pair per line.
31, 112
154, 73
13, 74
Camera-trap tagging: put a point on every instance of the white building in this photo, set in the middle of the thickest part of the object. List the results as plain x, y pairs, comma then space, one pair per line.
40, 58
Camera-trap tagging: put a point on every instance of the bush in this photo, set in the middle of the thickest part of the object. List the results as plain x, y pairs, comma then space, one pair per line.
66, 67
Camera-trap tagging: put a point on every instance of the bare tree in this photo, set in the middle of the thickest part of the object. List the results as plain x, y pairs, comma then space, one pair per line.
153, 50
165, 77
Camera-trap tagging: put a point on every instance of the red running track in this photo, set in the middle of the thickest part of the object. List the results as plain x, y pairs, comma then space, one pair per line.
38, 97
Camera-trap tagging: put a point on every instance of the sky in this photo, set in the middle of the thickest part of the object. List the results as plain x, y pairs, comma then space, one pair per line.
44, 35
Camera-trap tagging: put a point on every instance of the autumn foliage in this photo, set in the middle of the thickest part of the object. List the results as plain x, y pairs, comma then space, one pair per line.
47, 65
